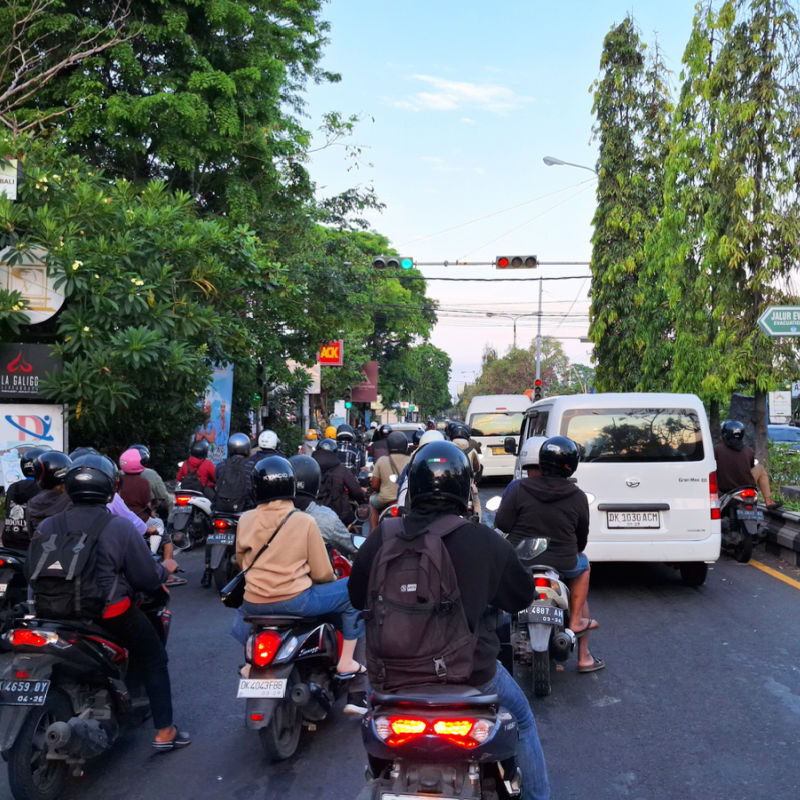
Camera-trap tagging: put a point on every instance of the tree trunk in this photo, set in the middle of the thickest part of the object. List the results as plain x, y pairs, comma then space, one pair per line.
760, 425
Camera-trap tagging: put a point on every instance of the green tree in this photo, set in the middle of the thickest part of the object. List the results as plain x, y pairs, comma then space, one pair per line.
420, 375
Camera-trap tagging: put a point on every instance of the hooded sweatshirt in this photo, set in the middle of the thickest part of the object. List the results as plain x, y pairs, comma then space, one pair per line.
551, 507
340, 483
45, 504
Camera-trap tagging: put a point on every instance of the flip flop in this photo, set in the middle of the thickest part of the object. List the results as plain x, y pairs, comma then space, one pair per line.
347, 676
596, 665
182, 739
592, 626
176, 582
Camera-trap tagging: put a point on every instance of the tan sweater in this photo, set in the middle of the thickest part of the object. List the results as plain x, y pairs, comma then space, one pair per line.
295, 559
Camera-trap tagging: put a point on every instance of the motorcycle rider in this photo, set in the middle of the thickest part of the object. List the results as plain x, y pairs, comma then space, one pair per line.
124, 567
430, 435
18, 494
386, 475
488, 573
549, 505
159, 495
199, 463
338, 487
268, 445
50, 468
350, 453
737, 465
379, 446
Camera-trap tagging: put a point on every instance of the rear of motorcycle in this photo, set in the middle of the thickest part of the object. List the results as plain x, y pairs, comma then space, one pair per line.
13, 586
739, 522
291, 679
190, 521
221, 548
448, 742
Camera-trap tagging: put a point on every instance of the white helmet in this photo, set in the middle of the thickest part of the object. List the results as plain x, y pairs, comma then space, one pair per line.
529, 452
430, 436
268, 440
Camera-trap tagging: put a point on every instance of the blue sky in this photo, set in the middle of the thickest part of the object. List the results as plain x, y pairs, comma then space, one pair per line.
460, 101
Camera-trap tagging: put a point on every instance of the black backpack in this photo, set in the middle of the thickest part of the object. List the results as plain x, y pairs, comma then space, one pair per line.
191, 480
416, 628
234, 488
63, 571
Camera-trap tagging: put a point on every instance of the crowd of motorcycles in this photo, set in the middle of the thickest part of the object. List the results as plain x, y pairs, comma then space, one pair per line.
67, 690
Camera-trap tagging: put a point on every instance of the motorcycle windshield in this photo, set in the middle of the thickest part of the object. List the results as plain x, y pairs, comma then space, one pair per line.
528, 549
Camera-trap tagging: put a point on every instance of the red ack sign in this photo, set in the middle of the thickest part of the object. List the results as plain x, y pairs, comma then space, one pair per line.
331, 354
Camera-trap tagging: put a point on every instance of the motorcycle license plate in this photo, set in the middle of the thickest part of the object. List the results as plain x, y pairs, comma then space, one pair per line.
743, 513
633, 519
393, 796
549, 615
262, 687
221, 538
23, 693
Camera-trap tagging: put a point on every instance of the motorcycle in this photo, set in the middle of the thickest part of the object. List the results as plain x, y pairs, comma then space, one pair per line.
292, 679
739, 518
189, 523
221, 549
13, 585
65, 695
541, 632
444, 741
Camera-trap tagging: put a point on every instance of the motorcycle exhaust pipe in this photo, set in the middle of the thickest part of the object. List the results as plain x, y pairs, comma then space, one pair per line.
77, 737
301, 694
304, 693
561, 645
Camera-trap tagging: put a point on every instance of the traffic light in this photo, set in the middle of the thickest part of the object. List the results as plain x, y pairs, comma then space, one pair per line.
537, 391
516, 262
348, 397
393, 262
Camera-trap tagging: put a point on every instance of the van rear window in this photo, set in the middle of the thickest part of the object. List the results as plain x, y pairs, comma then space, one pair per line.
635, 434
496, 423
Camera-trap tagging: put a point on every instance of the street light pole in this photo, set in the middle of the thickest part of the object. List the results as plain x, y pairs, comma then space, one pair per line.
551, 161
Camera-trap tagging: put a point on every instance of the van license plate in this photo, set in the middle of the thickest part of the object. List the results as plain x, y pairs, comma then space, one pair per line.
262, 687
221, 538
633, 519
498, 451
23, 693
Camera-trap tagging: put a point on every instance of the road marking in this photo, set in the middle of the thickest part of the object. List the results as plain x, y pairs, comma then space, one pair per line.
775, 574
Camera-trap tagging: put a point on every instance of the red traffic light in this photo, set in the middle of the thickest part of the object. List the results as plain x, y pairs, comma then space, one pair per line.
502, 262
516, 262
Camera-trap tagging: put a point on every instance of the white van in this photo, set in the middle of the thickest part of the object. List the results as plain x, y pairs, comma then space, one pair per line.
647, 465
493, 418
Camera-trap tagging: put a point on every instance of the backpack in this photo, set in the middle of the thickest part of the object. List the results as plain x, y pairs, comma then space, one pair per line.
234, 488
64, 571
191, 480
416, 628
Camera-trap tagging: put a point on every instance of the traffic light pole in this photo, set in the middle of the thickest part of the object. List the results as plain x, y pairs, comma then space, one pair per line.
539, 335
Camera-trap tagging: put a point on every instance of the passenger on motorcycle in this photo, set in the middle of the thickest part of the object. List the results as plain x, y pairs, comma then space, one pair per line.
159, 496
386, 475
339, 489
294, 574
737, 465
198, 465
268, 445
379, 446
350, 453
550, 506
50, 469
18, 494
488, 573
124, 567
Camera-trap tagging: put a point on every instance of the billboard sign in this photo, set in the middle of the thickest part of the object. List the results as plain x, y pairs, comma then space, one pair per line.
332, 354
26, 425
22, 366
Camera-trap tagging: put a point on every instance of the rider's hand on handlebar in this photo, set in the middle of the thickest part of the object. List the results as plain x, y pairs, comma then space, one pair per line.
170, 565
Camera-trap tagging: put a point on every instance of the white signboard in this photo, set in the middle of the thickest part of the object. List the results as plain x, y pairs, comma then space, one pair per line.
8, 177
780, 406
26, 425
29, 277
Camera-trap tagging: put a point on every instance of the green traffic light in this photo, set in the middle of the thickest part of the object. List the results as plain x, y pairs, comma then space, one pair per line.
407, 263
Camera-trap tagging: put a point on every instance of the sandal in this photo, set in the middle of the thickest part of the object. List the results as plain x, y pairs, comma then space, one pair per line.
181, 739
346, 676
593, 625
596, 664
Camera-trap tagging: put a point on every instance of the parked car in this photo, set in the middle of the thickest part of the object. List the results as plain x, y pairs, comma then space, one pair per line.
786, 436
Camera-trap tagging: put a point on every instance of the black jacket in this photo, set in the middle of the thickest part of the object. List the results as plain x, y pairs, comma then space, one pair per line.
550, 507
343, 485
488, 572
43, 505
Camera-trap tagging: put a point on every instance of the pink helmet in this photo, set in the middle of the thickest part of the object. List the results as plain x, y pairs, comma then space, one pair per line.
130, 462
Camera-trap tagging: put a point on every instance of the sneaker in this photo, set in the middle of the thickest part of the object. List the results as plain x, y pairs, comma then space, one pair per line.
356, 704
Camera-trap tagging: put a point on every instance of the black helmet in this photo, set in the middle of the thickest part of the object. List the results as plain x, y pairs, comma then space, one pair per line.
559, 456
239, 445
83, 451
384, 431
397, 442
328, 444
307, 475
144, 453
27, 459
199, 449
459, 431
50, 468
733, 433
417, 436
92, 478
273, 479
345, 433
439, 471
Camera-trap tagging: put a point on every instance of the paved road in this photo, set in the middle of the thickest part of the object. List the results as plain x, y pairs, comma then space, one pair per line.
700, 699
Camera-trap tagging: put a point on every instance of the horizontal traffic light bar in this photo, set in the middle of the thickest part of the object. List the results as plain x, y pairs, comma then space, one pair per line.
393, 262
516, 262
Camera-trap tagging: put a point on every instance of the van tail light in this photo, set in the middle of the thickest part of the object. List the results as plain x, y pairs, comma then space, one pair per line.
182, 499
262, 647
24, 637
713, 495
466, 732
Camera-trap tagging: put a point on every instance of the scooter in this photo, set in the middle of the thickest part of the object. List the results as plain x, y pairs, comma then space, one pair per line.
292, 679
440, 741
13, 585
65, 695
221, 549
189, 524
739, 518
541, 632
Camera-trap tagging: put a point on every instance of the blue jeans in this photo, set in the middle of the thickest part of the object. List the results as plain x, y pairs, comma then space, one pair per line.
319, 600
530, 758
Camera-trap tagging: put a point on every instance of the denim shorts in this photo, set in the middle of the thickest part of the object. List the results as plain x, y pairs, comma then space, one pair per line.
578, 569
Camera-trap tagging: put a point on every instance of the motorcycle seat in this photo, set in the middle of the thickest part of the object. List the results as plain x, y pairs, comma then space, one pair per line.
436, 694
280, 621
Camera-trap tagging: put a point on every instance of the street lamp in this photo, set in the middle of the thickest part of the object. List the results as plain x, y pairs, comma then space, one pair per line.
513, 318
557, 162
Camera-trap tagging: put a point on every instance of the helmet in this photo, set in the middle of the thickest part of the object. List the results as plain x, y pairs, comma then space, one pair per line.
144, 453
417, 436
529, 452
373, 425
307, 475
27, 458
431, 436
459, 431
330, 432
273, 479
130, 462
397, 442
92, 478
559, 457
384, 430
50, 468
199, 449
268, 440
83, 451
345, 433
328, 444
440, 471
311, 434
239, 445
733, 433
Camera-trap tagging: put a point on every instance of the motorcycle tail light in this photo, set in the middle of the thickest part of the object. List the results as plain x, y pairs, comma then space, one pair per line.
396, 731
221, 524
395, 512
464, 732
263, 647
748, 494
23, 637
182, 499
22, 674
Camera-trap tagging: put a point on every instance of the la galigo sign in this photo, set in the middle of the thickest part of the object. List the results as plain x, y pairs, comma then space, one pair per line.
332, 354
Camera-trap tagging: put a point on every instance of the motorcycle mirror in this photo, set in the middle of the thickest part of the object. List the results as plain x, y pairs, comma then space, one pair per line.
493, 503
528, 549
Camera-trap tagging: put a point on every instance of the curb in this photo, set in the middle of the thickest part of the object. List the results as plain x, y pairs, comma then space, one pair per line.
782, 529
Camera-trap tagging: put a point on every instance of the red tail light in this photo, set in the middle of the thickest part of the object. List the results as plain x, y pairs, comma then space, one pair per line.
465, 732
713, 495
182, 499
265, 646
395, 512
748, 494
221, 524
22, 637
